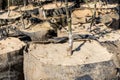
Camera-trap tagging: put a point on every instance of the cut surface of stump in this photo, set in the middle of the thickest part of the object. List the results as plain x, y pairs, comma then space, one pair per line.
10, 44
13, 15
50, 62
80, 16
58, 55
52, 10
28, 8
40, 32
53, 5
11, 59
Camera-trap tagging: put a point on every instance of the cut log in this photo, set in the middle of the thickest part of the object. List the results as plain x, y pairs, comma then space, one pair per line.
30, 9
81, 16
50, 9
111, 20
99, 5
11, 59
114, 47
53, 10
13, 16
90, 61
40, 32
41, 2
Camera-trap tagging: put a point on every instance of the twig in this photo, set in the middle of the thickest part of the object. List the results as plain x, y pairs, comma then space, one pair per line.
23, 24
86, 1
94, 15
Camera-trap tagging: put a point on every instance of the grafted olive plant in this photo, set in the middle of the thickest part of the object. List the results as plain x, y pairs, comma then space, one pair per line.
93, 13
68, 14
25, 2
8, 7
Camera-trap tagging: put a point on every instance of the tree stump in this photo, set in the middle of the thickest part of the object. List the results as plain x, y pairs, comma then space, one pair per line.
90, 61
40, 32
52, 10
11, 59
13, 16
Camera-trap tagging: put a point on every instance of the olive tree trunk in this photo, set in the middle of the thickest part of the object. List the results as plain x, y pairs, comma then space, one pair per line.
69, 28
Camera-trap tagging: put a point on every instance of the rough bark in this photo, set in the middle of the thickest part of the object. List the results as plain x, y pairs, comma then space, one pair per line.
51, 11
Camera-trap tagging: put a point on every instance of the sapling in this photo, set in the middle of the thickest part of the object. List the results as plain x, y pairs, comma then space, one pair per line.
8, 8
68, 14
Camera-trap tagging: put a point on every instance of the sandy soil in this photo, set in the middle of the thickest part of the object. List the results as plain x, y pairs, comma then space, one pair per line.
28, 7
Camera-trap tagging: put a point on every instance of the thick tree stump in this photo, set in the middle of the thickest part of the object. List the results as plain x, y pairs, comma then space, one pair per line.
13, 16
40, 32
81, 16
110, 19
52, 10
99, 5
90, 61
11, 59
29, 9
